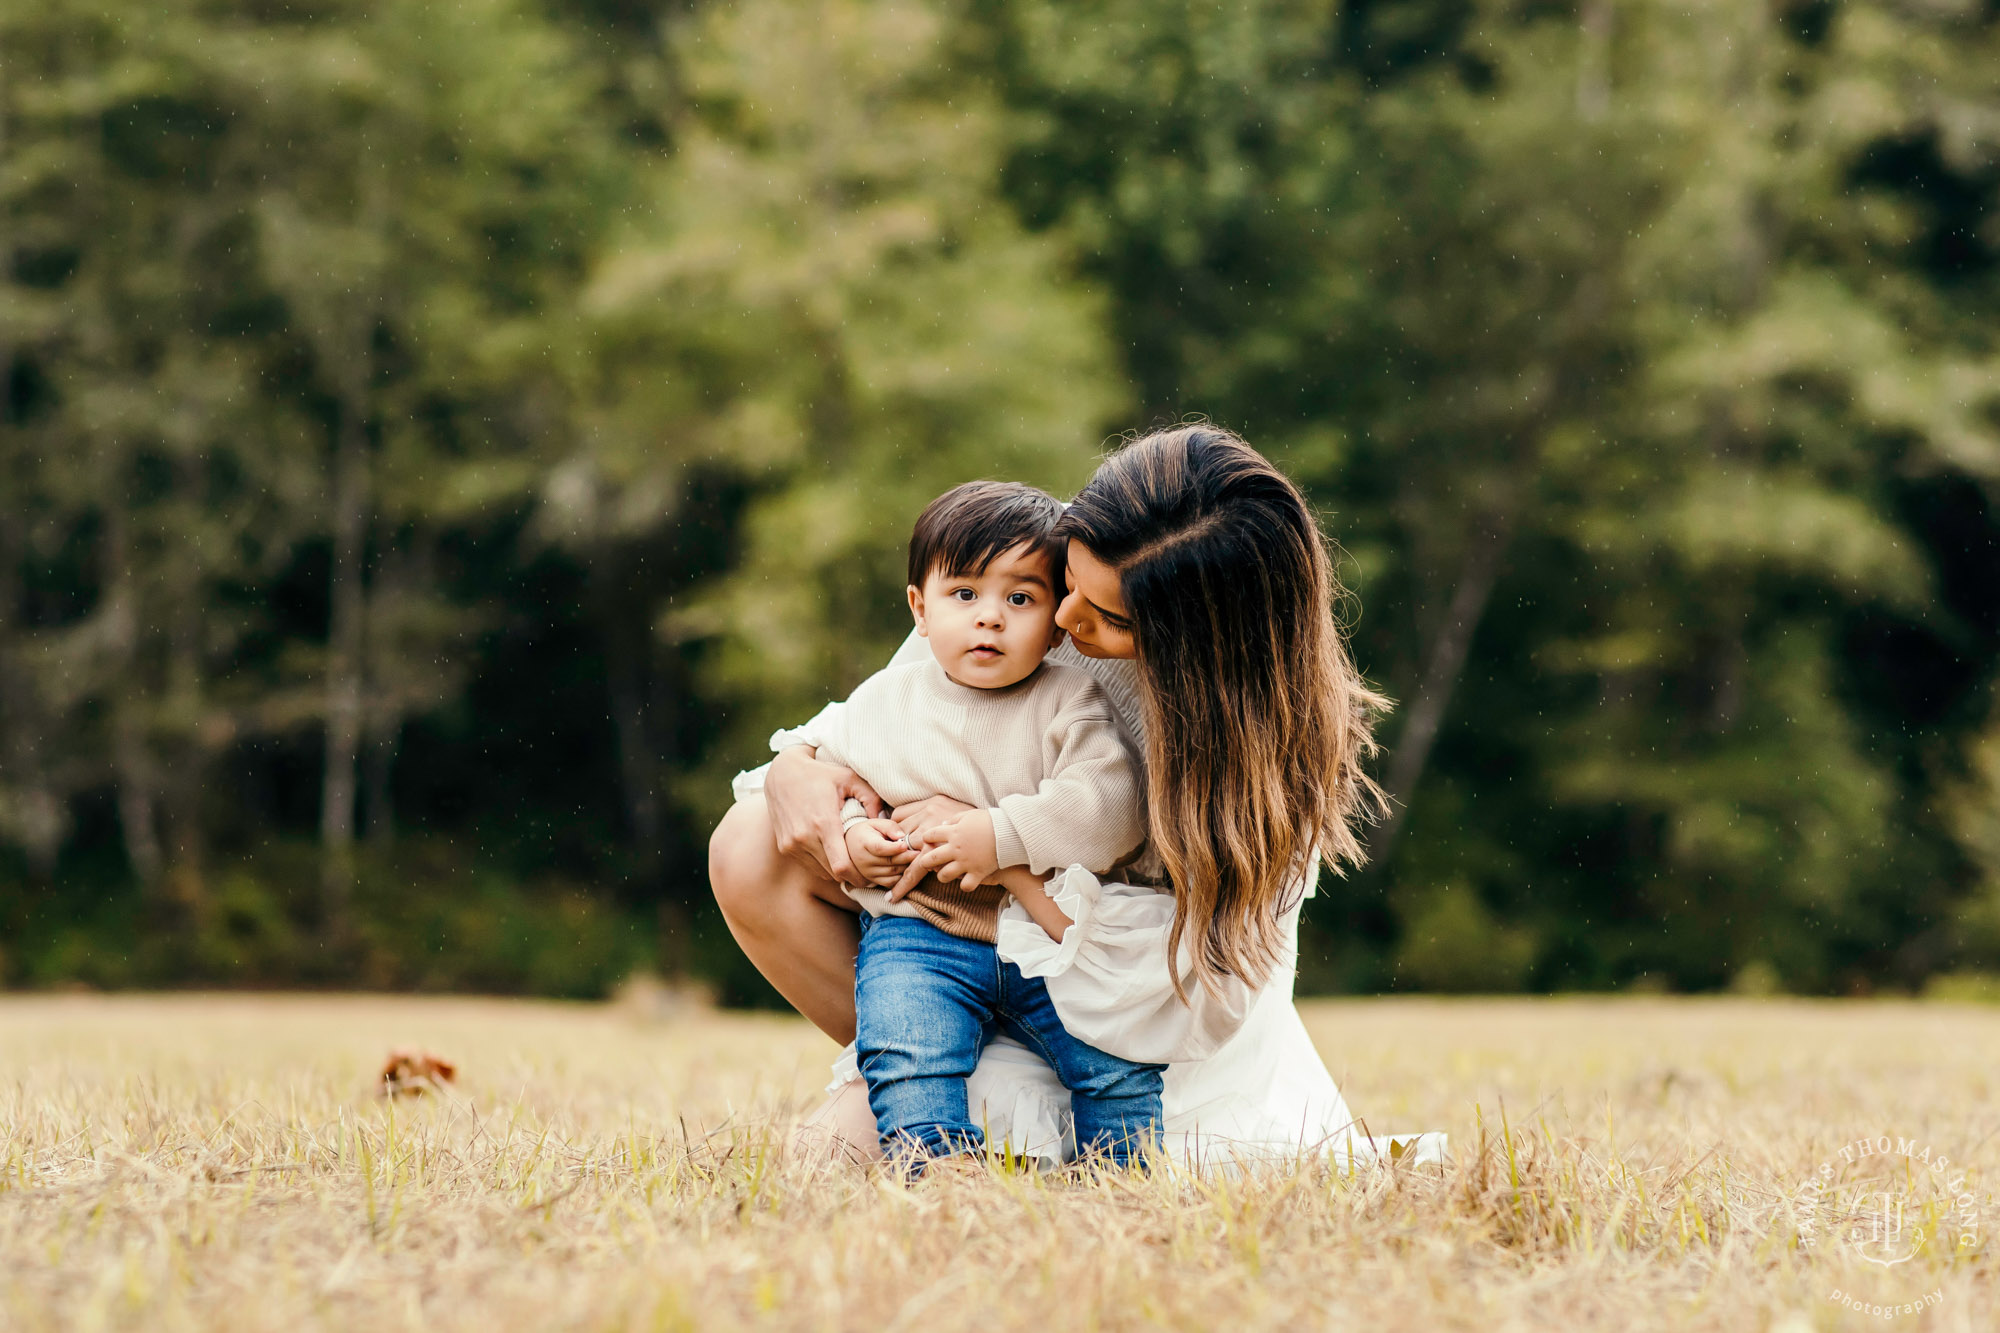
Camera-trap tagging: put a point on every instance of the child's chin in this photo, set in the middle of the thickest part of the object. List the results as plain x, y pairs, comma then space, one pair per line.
996, 674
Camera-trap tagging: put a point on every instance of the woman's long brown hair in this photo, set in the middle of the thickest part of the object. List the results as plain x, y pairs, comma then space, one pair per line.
1257, 722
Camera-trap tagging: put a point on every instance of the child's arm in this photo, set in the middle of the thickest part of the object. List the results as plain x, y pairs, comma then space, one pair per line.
1089, 810
1029, 889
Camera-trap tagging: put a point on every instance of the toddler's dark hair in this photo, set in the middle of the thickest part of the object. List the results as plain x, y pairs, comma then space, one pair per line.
962, 530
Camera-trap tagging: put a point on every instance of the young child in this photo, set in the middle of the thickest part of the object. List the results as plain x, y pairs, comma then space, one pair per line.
1035, 749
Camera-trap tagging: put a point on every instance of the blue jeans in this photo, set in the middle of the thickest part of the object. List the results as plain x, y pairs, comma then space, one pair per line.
926, 1003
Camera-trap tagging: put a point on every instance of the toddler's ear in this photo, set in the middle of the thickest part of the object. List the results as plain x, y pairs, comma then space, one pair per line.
1056, 636
916, 596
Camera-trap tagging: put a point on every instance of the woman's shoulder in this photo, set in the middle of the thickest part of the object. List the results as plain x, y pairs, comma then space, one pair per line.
1118, 677
1062, 690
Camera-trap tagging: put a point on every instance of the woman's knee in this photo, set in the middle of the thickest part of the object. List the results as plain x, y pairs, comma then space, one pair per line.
741, 860
751, 880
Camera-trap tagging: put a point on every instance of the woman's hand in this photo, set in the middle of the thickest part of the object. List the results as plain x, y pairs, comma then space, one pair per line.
961, 849
879, 850
804, 797
920, 817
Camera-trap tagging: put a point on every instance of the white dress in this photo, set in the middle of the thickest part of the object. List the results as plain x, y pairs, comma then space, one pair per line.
1244, 1083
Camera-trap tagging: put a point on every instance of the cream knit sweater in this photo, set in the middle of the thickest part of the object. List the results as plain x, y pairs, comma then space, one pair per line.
1045, 758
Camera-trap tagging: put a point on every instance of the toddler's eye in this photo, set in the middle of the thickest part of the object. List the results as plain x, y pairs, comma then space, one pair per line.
1019, 599
964, 594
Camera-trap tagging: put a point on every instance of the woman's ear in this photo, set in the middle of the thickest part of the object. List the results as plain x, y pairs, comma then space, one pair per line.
916, 596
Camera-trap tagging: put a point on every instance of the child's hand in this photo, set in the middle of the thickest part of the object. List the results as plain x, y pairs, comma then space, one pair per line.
960, 849
879, 851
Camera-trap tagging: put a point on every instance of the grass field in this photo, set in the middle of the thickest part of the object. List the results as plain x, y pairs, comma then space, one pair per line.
218, 1163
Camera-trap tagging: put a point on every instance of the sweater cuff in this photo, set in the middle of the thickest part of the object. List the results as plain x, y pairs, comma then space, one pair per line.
1008, 849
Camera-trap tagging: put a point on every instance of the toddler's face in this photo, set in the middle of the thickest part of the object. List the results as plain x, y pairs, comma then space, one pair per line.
992, 629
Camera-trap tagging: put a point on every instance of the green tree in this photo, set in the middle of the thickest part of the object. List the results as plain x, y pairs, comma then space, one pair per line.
420, 252
223, 300
1790, 382
489, 422
1604, 334
824, 313
135, 415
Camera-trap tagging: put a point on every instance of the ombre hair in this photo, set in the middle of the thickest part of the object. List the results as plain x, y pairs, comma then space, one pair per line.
1257, 721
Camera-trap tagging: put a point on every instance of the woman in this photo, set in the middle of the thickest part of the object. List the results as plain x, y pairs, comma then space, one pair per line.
1201, 598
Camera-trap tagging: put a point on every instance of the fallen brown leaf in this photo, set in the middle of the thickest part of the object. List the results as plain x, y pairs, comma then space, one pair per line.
410, 1072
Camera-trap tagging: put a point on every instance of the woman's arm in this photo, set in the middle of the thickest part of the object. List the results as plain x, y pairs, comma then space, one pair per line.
805, 796
785, 908
1032, 893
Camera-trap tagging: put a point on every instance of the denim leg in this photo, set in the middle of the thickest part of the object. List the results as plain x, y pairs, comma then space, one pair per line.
922, 1004
1115, 1103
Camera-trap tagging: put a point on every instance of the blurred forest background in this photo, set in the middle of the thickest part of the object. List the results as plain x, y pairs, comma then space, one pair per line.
440, 441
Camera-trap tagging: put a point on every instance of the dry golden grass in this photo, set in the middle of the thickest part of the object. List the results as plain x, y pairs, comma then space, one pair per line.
216, 1163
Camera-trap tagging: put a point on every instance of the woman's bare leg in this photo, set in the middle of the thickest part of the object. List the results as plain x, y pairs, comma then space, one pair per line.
794, 923
843, 1127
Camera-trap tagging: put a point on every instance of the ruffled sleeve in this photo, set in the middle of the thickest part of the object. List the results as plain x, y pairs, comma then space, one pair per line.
824, 723
1109, 978
819, 730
